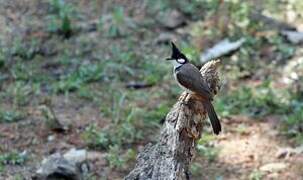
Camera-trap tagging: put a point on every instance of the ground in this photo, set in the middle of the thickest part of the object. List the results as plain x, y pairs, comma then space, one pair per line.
79, 60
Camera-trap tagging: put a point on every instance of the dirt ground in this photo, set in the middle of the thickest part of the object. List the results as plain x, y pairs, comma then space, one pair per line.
240, 152
245, 147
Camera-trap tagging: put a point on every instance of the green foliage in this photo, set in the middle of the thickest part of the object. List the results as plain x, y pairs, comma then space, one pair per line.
195, 8
113, 157
12, 158
2, 59
293, 121
10, 116
118, 133
283, 49
24, 49
195, 169
258, 101
60, 21
122, 51
210, 153
96, 137
18, 177
86, 73
118, 160
154, 115
20, 93
117, 20
117, 24
256, 175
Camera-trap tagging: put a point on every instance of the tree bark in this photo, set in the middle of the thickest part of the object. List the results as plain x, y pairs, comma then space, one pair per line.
170, 157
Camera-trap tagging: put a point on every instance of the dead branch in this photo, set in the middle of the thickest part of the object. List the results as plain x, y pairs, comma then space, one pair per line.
271, 23
171, 156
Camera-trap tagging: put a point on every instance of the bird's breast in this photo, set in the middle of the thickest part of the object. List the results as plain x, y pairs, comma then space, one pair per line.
184, 88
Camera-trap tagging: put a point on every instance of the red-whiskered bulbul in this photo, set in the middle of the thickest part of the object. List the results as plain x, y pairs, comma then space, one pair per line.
190, 79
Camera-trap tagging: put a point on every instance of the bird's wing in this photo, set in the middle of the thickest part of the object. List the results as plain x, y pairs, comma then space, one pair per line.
189, 76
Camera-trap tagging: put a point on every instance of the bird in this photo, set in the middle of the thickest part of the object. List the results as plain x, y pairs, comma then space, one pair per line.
190, 79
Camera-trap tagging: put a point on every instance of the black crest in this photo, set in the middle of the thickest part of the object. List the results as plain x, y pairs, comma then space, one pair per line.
176, 53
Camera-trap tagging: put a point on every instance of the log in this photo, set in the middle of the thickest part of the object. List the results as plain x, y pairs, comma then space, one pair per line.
171, 156
270, 22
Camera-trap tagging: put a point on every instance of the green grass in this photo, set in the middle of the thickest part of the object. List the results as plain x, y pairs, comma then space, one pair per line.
206, 151
86, 73
118, 160
12, 158
10, 116
60, 21
256, 175
96, 66
292, 122
18, 93
258, 101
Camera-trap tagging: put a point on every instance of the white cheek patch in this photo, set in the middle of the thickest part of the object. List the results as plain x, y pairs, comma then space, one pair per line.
176, 64
181, 61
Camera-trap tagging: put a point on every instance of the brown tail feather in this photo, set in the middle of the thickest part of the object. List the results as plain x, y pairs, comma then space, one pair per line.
214, 120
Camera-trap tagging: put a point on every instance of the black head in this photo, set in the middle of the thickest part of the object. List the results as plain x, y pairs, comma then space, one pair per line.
177, 55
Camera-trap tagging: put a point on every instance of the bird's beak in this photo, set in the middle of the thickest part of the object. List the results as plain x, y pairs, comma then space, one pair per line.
168, 59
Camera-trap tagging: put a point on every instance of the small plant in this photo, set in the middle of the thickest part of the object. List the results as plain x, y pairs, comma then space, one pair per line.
95, 137
25, 50
60, 22
10, 116
117, 24
122, 133
122, 129
12, 158
114, 158
2, 58
256, 175
19, 92
283, 50
257, 101
117, 159
293, 121
84, 74
195, 169
210, 153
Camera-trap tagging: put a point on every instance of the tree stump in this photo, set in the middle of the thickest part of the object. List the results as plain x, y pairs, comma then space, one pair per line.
170, 157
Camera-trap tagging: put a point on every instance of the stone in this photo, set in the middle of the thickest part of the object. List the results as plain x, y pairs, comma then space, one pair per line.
57, 167
172, 19
76, 156
273, 167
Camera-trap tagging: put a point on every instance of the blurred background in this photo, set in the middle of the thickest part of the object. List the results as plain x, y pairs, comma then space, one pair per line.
91, 75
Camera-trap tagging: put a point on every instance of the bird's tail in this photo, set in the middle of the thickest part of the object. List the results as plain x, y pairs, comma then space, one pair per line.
214, 120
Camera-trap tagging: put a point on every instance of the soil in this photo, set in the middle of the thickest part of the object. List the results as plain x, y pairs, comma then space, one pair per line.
244, 147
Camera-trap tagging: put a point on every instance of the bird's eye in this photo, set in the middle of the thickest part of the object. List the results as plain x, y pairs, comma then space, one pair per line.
181, 60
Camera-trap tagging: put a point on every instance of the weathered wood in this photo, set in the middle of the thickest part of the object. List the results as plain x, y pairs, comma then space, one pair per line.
270, 22
170, 157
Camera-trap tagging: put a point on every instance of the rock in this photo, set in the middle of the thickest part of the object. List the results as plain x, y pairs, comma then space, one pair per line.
294, 37
96, 156
273, 167
57, 167
222, 48
76, 156
285, 152
165, 38
172, 19
51, 138
299, 149
273, 176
